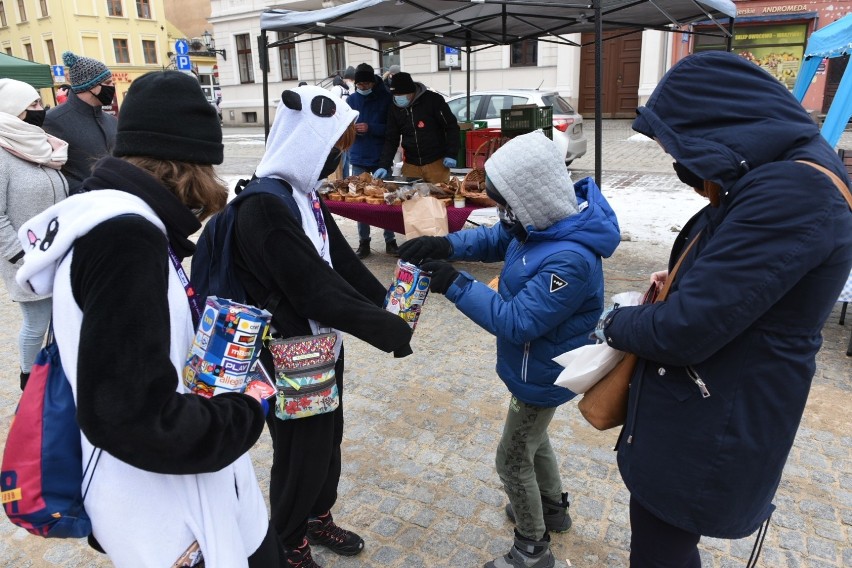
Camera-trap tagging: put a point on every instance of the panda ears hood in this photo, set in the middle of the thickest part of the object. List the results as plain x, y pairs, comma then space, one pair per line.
308, 122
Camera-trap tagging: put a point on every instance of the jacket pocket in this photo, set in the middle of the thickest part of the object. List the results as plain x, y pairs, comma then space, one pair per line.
682, 383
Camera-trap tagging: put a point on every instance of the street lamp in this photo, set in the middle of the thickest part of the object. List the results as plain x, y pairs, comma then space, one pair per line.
210, 44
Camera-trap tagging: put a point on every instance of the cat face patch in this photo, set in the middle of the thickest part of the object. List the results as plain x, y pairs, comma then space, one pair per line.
556, 283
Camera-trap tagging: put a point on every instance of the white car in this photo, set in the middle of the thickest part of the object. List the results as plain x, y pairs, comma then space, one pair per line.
486, 105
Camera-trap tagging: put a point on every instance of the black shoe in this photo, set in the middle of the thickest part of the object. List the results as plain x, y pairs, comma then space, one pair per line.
24, 378
322, 530
391, 248
526, 553
556, 517
363, 249
299, 557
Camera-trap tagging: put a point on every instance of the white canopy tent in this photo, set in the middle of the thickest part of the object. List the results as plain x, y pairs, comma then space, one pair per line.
474, 24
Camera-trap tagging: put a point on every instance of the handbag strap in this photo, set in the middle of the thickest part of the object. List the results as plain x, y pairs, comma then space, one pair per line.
844, 189
668, 284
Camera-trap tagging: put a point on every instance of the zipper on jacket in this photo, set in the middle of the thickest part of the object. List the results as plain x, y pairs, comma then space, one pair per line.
696, 378
525, 361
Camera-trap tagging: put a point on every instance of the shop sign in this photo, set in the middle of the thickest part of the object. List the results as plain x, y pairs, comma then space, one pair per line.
121, 76
783, 9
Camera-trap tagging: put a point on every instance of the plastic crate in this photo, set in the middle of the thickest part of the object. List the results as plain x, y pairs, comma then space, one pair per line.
475, 139
520, 120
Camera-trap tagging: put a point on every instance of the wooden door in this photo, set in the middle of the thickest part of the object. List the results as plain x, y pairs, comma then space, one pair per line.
620, 84
836, 68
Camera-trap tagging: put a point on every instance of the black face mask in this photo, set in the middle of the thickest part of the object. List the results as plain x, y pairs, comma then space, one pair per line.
106, 94
331, 162
687, 177
511, 223
35, 117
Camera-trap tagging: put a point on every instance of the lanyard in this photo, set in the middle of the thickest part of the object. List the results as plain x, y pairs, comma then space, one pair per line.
192, 298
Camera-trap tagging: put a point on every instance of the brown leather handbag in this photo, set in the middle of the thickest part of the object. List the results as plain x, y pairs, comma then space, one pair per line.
604, 405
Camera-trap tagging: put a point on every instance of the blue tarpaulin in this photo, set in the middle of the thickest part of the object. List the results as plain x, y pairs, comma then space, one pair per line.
834, 40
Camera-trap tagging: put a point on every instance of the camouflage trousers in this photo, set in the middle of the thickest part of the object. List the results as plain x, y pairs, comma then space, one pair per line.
527, 465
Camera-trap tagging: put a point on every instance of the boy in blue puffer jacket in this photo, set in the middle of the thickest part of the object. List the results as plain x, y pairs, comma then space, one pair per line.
552, 237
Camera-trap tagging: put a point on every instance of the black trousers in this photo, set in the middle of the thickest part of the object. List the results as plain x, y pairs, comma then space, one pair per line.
656, 544
305, 468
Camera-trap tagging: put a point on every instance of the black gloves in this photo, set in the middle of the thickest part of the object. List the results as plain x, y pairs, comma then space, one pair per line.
418, 249
443, 273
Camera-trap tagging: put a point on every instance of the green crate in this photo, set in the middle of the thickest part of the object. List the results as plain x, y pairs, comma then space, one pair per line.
526, 119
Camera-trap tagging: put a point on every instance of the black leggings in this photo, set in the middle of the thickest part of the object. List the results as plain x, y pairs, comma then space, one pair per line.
305, 468
656, 544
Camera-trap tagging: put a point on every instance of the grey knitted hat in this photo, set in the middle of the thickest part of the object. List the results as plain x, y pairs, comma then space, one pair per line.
85, 73
349, 73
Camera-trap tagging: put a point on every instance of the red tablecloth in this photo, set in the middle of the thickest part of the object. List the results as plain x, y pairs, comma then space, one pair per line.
390, 216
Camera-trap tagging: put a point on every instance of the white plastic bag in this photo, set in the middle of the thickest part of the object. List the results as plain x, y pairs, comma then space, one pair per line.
586, 365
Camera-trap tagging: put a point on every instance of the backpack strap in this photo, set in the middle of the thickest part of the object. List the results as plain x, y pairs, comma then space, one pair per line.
841, 185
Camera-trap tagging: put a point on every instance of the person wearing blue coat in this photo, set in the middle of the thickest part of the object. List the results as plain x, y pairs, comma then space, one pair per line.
371, 100
552, 237
726, 362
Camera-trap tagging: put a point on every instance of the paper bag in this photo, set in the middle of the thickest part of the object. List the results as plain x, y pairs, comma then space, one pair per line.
424, 217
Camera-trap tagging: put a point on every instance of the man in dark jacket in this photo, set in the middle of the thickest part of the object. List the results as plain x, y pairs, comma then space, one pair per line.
81, 121
372, 101
726, 361
429, 131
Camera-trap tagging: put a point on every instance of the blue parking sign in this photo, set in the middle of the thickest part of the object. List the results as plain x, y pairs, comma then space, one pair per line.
182, 63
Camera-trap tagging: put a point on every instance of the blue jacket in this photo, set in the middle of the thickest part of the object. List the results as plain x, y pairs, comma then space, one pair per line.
373, 109
746, 309
550, 294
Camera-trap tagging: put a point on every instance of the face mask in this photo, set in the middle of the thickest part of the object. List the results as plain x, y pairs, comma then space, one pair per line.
511, 224
106, 94
401, 101
686, 176
331, 162
35, 117
364, 92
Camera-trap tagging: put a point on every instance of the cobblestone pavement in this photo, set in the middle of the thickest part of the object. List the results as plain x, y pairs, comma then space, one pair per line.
418, 479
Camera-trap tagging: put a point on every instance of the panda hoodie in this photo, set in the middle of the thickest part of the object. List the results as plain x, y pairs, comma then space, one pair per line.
322, 283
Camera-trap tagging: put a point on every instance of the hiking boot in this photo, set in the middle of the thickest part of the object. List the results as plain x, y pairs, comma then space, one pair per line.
299, 557
363, 250
322, 530
556, 517
391, 248
526, 553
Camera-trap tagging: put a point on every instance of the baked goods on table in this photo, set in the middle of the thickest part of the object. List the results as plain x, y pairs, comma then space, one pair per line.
364, 188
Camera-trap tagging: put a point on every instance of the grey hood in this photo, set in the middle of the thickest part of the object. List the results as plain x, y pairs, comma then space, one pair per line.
530, 174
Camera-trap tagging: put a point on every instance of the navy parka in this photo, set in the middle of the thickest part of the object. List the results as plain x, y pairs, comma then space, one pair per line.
745, 312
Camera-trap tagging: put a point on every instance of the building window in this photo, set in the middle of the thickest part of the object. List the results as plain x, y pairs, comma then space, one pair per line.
524, 53
143, 9
43, 6
121, 53
22, 10
244, 59
390, 54
8, 51
287, 57
28, 50
114, 8
149, 50
250, 117
51, 52
3, 15
335, 57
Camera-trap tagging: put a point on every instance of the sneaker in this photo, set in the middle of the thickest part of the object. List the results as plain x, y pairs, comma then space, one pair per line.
556, 517
322, 530
299, 557
391, 248
526, 553
363, 250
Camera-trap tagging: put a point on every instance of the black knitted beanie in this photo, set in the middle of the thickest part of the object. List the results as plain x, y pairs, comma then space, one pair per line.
364, 73
165, 115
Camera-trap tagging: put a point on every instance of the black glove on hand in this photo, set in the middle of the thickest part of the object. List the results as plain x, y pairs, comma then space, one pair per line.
443, 273
418, 249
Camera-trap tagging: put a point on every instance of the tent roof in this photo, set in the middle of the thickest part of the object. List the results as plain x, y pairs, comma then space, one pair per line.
486, 22
833, 40
36, 74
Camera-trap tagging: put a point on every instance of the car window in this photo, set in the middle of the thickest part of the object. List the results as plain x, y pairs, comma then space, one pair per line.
560, 105
499, 102
459, 107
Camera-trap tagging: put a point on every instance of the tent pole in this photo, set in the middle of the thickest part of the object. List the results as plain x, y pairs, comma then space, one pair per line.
467, 51
730, 35
596, 5
263, 70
